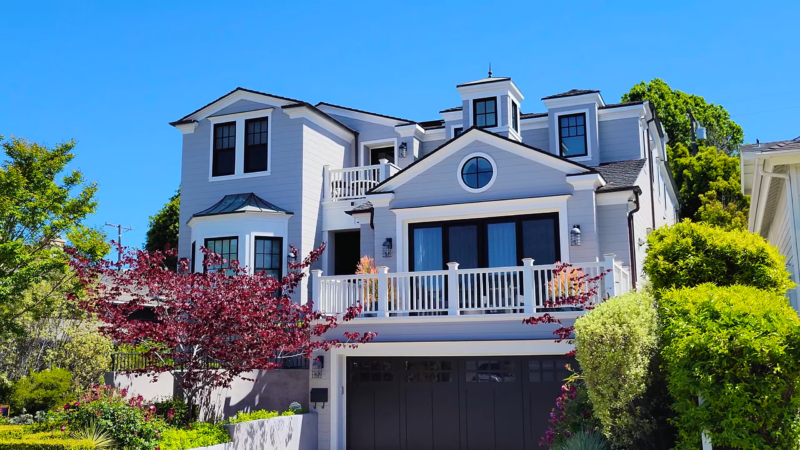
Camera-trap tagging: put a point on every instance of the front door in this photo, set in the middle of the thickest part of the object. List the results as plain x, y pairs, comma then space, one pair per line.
377, 154
347, 252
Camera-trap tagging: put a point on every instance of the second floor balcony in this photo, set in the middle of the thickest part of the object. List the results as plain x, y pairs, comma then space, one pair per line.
354, 182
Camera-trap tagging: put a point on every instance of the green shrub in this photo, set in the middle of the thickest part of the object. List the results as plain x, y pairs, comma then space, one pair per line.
615, 344
585, 439
689, 254
738, 348
174, 412
40, 391
11, 431
257, 415
194, 435
46, 444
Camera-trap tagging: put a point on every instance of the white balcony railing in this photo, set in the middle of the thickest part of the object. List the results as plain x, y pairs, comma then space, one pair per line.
354, 182
524, 289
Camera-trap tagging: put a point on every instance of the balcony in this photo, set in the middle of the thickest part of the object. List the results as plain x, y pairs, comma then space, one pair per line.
526, 289
354, 182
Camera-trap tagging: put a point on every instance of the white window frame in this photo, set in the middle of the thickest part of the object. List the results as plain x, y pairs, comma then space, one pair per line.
557, 127
367, 146
240, 118
452, 129
461, 166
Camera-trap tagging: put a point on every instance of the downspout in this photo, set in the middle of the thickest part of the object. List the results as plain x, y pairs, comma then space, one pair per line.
652, 175
631, 237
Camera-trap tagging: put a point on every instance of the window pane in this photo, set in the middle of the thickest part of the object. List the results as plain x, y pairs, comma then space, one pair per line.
580, 120
480, 107
471, 166
428, 249
573, 146
481, 121
572, 121
463, 243
539, 240
483, 165
491, 120
502, 243
490, 106
484, 178
471, 180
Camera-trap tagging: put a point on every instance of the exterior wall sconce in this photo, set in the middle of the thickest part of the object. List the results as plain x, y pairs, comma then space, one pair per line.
403, 149
387, 248
291, 257
575, 236
316, 367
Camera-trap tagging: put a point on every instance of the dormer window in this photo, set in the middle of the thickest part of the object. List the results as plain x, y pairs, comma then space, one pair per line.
514, 117
485, 112
224, 162
572, 135
255, 145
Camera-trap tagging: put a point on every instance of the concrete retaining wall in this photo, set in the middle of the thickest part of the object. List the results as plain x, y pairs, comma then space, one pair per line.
279, 433
272, 390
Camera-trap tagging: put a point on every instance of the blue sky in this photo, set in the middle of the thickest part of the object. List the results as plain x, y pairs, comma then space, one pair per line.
112, 74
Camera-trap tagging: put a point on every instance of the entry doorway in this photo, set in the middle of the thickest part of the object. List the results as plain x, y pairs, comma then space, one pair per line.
347, 252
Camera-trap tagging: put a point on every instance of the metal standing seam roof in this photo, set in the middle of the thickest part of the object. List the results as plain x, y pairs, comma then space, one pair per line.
240, 203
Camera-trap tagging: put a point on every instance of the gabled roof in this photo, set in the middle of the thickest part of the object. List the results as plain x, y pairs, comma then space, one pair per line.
620, 175
468, 136
572, 93
484, 81
187, 118
362, 112
765, 147
240, 203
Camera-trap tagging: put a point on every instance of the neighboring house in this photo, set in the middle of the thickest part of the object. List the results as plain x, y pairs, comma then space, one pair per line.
466, 215
771, 176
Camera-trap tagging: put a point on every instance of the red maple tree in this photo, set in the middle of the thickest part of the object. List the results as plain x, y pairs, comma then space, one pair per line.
210, 327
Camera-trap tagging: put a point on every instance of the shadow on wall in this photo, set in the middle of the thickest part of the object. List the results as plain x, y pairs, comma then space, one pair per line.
280, 433
272, 390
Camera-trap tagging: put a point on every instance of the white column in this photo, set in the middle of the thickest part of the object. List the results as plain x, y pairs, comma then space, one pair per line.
326, 182
609, 279
384, 169
527, 286
383, 292
316, 288
452, 289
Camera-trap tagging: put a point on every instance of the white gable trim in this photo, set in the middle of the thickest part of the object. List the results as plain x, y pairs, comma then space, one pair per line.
306, 112
469, 137
235, 97
366, 117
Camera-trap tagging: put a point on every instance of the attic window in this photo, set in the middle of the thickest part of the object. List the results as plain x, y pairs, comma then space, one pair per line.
485, 112
572, 135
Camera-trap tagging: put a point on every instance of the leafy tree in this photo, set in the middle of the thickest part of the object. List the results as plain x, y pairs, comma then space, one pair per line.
672, 106
709, 181
226, 320
164, 226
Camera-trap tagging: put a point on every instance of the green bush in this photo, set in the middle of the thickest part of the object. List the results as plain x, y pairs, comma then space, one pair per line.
616, 343
689, 254
257, 415
12, 431
40, 391
46, 444
738, 348
194, 435
174, 412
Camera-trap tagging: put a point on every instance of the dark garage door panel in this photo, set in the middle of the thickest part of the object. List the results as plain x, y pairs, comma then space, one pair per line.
451, 403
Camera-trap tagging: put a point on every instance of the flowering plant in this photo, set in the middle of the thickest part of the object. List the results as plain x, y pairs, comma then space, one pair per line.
572, 413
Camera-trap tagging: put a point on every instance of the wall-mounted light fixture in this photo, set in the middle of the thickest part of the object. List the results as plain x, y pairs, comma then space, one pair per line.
575, 236
291, 257
387, 248
316, 367
403, 149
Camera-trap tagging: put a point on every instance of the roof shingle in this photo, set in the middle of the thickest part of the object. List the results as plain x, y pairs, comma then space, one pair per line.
571, 93
620, 174
778, 146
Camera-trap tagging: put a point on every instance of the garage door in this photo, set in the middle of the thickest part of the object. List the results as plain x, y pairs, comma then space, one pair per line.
500, 402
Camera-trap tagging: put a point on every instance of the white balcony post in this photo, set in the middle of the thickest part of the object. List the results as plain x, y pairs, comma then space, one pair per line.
527, 286
452, 289
316, 288
384, 169
609, 279
383, 292
326, 182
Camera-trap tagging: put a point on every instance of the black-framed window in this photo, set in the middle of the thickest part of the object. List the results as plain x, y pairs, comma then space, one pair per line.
457, 131
268, 256
489, 242
255, 145
194, 254
224, 158
572, 135
484, 112
227, 248
477, 172
378, 153
514, 117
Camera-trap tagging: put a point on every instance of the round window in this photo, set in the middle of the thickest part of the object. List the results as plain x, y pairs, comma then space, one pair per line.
477, 172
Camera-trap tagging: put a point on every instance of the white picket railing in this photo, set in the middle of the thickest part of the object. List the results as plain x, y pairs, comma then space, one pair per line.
355, 182
505, 290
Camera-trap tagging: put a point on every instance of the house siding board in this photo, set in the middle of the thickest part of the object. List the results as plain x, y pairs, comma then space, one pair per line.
517, 177
620, 140
427, 147
539, 138
780, 232
642, 220
283, 186
385, 221
466, 113
582, 210
367, 241
591, 139
367, 131
612, 227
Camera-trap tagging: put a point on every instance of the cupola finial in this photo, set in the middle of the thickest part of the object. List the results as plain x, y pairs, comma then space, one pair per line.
490, 70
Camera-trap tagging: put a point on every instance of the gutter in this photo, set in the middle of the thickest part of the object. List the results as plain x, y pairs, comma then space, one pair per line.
631, 237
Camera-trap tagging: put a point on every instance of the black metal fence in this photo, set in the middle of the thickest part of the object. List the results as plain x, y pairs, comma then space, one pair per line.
121, 362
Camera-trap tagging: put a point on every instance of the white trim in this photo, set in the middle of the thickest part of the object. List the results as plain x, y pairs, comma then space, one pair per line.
369, 145
467, 319
471, 115
515, 207
409, 130
240, 118
338, 365
436, 134
380, 200
469, 137
453, 116
556, 130
589, 181
622, 112
613, 198
235, 97
461, 166
533, 123
574, 100
451, 130
507, 87
187, 128
305, 112
364, 116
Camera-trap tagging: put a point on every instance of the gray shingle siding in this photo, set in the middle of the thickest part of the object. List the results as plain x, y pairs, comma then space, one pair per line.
612, 226
538, 138
581, 209
619, 140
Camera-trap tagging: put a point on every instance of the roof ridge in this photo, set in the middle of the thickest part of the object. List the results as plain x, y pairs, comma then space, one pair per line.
364, 112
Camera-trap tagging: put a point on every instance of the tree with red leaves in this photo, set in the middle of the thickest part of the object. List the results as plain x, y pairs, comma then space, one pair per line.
210, 327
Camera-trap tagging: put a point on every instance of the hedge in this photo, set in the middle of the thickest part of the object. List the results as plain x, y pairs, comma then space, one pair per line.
199, 435
46, 444
615, 345
689, 254
738, 348
12, 431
